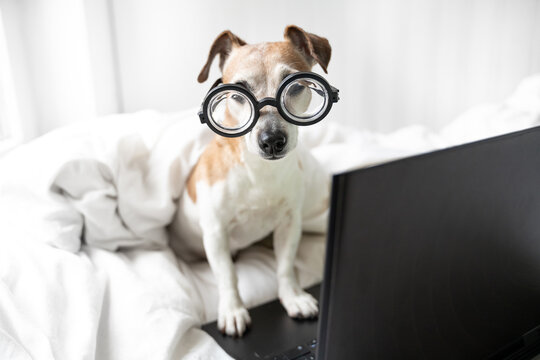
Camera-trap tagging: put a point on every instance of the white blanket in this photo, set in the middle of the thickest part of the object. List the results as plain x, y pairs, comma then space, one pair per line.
121, 294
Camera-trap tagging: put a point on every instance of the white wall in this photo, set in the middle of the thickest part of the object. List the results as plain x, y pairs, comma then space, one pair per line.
52, 64
396, 62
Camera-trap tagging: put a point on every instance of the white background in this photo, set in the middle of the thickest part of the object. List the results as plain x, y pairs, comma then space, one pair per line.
396, 62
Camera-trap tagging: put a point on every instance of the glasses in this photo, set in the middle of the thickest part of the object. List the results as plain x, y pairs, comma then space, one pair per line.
302, 98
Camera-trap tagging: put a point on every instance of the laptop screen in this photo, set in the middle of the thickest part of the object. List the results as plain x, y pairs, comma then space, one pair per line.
435, 256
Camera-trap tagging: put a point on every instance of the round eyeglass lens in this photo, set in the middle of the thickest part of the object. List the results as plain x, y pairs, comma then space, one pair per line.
230, 111
304, 99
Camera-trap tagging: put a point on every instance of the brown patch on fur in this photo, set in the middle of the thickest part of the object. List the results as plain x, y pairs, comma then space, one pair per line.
269, 54
215, 162
300, 165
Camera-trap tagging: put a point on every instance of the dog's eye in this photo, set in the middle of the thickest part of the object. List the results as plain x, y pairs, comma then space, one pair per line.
296, 89
238, 98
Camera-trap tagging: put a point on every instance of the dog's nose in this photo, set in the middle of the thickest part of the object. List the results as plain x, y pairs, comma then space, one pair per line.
272, 142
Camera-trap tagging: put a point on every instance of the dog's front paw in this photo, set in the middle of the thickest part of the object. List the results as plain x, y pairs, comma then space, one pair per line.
233, 320
301, 305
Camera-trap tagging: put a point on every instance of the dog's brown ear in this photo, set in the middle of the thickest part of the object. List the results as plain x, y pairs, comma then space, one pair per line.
315, 48
223, 45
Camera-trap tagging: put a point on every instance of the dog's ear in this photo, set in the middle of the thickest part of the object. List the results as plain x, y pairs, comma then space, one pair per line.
313, 47
223, 45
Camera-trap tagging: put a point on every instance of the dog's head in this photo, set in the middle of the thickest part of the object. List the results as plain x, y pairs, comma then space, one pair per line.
261, 68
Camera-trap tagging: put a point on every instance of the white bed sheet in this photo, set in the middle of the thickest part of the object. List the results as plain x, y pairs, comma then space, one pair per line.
112, 181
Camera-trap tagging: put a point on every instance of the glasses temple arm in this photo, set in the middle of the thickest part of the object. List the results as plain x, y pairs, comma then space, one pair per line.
335, 94
202, 117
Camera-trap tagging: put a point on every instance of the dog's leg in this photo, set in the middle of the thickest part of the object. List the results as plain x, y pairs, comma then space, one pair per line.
233, 318
297, 302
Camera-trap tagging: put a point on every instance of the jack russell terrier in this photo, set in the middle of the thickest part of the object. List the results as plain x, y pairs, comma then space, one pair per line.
249, 181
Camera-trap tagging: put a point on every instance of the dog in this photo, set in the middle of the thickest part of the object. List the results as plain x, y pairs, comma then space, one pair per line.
243, 189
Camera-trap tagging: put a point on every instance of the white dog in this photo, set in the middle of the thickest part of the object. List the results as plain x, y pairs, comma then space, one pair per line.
244, 188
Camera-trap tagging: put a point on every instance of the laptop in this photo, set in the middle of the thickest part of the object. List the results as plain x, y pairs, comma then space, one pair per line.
435, 256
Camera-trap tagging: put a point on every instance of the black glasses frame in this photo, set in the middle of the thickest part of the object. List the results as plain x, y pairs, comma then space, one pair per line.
218, 87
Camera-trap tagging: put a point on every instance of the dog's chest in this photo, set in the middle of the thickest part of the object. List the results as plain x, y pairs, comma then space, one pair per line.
261, 205
255, 216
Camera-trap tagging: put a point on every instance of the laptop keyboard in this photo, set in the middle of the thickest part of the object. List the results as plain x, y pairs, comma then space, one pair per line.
301, 352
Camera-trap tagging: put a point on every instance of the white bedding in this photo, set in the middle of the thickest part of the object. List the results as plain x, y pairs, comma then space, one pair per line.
111, 181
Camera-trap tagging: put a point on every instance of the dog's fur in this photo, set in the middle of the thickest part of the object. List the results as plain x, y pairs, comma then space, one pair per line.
237, 194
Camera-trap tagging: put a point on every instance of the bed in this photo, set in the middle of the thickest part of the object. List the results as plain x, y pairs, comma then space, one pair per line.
85, 270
